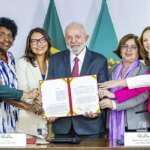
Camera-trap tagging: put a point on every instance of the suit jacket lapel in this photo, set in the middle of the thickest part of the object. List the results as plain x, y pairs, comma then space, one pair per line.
86, 63
67, 63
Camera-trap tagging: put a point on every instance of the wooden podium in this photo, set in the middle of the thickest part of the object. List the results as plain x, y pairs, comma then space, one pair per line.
90, 144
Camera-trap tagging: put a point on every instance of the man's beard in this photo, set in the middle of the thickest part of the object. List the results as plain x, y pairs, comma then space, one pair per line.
78, 50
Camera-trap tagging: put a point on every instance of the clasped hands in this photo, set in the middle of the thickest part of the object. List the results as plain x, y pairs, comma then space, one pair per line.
105, 95
36, 105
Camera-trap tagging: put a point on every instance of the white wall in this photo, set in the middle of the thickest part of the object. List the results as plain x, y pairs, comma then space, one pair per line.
127, 15
27, 14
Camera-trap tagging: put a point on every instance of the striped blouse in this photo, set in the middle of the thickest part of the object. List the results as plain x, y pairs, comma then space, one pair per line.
8, 113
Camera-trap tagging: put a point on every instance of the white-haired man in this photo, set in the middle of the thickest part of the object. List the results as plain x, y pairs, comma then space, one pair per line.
89, 63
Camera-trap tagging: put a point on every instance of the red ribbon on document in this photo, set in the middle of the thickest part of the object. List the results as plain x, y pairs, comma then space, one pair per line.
70, 97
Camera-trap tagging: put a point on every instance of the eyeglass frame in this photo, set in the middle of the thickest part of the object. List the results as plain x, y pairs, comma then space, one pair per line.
126, 47
41, 40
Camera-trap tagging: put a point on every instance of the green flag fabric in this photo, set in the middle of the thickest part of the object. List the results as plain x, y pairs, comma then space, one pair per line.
53, 27
104, 39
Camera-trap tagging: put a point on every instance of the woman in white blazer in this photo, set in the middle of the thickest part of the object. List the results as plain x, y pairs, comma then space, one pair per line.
32, 68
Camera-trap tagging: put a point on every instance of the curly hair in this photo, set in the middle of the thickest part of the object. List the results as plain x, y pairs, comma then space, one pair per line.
10, 25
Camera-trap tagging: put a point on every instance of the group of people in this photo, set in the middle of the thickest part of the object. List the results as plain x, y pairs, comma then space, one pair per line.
19, 83
11, 98
127, 97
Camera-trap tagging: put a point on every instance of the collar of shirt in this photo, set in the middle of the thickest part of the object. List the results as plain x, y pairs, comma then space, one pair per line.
80, 57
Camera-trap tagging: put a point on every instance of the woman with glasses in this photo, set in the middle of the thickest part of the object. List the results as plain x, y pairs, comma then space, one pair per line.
31, 69
10, 97
136, 85
123, 116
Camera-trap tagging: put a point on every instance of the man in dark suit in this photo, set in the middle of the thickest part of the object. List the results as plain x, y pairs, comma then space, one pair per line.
87, 63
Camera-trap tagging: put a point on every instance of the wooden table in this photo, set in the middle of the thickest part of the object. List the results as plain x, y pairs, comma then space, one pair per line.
94, 144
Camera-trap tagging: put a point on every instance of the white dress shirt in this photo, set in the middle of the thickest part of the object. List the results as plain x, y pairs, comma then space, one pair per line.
80, 57
138, 81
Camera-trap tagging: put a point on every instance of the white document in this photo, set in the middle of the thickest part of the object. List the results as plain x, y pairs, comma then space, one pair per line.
70, 96
55, 97
12, 140
137, 139
84, 95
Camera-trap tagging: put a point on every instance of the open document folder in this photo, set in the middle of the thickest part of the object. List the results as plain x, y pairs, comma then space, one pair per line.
70, 96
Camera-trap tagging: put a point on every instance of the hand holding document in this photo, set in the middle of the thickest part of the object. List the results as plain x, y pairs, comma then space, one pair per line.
70, 96
36, 107
30, 95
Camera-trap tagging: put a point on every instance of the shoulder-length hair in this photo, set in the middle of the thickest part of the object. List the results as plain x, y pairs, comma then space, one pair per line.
124, 39
144, 53
29, 55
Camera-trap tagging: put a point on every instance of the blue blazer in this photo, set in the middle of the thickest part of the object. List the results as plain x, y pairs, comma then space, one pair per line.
94, 63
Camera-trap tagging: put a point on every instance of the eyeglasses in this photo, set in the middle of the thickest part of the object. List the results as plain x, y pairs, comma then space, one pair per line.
126, 47
42, 40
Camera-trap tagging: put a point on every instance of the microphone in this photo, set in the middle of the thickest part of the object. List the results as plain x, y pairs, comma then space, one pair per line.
73, 140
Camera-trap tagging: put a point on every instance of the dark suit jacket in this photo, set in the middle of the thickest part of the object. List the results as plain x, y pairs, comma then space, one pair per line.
94, 63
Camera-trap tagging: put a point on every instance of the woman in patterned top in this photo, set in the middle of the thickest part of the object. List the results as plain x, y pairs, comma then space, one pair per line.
9, 113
